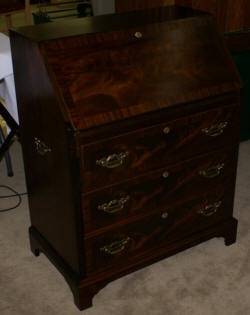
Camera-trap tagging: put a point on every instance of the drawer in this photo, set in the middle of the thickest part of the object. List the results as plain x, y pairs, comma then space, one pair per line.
151, 192
120, 158
124, 245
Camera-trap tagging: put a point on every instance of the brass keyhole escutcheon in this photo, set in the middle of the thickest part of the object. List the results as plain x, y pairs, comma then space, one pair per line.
138, 35
166, 130
164, 215
165, 174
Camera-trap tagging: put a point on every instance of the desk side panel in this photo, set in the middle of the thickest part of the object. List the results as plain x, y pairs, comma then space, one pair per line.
51, 178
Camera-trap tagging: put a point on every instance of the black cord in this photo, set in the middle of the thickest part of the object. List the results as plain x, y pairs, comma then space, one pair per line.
8, 196
15, 194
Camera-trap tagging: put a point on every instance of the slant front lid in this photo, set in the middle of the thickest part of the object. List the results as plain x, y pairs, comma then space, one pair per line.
146, 61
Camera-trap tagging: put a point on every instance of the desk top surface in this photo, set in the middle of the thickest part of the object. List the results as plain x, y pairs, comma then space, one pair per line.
104, 23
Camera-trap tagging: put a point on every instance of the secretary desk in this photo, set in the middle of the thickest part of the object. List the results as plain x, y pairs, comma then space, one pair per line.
130, 131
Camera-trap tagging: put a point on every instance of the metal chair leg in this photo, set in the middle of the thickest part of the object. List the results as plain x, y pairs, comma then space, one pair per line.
6, 155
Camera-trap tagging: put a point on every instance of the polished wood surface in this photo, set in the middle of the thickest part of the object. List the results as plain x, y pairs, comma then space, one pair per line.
204, 5
231, 15
172, 113
155, 231
151, 192
130, 5
238, 42
150, 69
57, 34
151, 148
8, 6
181, 116
47, 177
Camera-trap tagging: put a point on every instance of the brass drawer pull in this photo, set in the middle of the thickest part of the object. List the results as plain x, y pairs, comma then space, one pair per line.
215, 130
41, 147
115, 247
138, 35
212, 171
114, 205
210, 209
113, 160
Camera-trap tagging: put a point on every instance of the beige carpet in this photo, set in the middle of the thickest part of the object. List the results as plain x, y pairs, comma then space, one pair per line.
209, 279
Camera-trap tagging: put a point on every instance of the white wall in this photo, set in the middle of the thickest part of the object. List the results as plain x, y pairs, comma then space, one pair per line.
101, 7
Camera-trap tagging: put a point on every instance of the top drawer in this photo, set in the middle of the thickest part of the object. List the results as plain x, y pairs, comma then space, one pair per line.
119, 158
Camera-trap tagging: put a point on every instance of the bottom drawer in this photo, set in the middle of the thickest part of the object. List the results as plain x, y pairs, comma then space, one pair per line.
122, 245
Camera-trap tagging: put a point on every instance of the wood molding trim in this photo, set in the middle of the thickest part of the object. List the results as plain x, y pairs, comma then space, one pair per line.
238, 41
130, 5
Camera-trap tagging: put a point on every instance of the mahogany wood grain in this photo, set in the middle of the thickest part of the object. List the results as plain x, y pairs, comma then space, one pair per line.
246, 15
231, 15
152, 192
185, 87
158, 117
153, 231
151, 148
146, 69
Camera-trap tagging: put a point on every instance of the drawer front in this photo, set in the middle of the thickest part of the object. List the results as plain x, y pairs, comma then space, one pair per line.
123, 157
121, 247
151, 193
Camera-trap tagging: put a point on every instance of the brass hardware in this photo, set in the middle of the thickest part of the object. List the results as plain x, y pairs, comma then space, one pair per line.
215, 130
115, 247
41, 147
114, 205
165, 174
210, 209
138, 35
166, 130
212, 171
113, 160
164, 215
